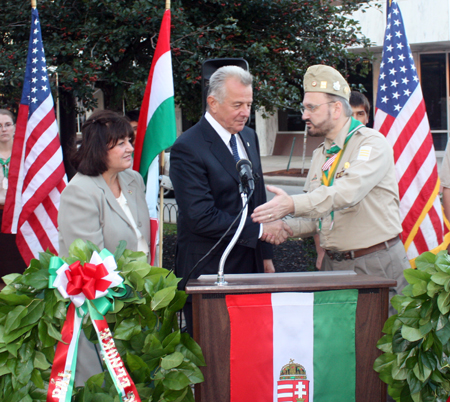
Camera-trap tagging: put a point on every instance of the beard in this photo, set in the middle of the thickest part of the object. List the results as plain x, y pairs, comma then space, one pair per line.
320, 129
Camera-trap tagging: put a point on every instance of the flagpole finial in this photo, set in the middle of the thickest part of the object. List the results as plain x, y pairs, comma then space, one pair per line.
167, 4
33, 3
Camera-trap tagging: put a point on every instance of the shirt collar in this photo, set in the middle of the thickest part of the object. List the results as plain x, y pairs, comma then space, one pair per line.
223, 133
341, 136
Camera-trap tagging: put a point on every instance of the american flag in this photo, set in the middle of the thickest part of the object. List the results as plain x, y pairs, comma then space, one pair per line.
36, 176
401, 116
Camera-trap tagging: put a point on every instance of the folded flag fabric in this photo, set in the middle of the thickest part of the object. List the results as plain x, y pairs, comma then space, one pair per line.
293, 347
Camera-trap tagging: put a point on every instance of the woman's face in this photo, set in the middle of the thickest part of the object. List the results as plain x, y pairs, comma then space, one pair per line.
7, 128
119, 157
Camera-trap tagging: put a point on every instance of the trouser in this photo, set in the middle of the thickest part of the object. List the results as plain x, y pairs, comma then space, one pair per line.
387, 263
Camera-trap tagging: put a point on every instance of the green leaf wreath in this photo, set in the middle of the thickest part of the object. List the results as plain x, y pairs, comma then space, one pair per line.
415, 362
162, 361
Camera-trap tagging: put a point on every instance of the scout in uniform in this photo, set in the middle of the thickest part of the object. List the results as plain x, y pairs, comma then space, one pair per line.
352, 199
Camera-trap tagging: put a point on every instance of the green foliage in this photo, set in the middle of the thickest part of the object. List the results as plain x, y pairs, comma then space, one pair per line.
162, 361
415, 362
109, 44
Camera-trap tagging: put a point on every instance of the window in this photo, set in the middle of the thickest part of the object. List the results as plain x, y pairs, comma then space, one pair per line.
433, 69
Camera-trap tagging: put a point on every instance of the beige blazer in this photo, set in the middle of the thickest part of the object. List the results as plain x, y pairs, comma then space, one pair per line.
89, 211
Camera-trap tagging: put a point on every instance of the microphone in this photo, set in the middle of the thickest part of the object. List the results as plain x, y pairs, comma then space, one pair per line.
244, 168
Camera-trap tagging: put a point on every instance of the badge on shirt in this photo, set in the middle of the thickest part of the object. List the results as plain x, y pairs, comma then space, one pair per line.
314, 178
364, 153
340, 174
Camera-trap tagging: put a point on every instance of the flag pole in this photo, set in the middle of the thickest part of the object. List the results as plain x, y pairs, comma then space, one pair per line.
161, 195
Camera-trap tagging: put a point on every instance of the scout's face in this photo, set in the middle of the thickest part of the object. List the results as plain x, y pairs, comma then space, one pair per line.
7, 128
318, 114
359, 113
234, 111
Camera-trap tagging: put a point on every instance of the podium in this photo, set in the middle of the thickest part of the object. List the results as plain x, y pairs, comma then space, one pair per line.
212, 325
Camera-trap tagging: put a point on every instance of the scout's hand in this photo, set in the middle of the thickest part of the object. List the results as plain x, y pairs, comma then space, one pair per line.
276, 232
277, 208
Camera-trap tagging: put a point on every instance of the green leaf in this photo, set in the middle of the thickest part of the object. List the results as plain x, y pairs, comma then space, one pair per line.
175, 380
79, 250
385, 344
14, 317
127, 329
443, 302
120, 249
163, 297
171, 341
171, 361
37, 379
433, 288
192, 372
40, 361
35, 311
425, 261
192, 350
441, 278
443, 261
37, 280
135, 362
411, 334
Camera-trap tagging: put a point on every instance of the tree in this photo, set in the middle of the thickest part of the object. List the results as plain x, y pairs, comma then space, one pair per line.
109, 44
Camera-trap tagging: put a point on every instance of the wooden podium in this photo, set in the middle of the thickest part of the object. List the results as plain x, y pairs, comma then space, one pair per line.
212, 326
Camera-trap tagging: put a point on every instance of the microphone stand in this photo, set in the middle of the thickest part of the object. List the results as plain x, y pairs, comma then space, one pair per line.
220, 275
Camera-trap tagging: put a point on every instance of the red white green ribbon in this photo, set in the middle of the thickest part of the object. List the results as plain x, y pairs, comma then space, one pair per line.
89, 288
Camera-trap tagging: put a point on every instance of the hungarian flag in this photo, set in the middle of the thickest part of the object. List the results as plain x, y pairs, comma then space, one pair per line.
291, 347
36, 176
156, 127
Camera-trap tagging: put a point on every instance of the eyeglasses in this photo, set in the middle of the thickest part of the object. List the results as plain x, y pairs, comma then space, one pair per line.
312, 108
6, 125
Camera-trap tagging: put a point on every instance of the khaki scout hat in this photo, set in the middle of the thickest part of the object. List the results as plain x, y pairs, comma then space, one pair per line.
325, 79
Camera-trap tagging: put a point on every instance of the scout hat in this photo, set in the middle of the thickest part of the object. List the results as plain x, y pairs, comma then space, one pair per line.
325, 79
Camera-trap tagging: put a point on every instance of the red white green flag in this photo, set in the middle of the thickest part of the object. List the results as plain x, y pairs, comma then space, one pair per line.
290, 347
156, 126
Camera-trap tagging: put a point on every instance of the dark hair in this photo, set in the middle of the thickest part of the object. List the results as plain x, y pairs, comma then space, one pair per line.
133, 115
100, 133
358, 99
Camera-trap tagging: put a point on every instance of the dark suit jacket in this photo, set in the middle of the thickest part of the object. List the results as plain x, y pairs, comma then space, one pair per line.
206, 185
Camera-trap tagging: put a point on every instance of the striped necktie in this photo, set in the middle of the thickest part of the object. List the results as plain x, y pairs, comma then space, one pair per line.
233, 144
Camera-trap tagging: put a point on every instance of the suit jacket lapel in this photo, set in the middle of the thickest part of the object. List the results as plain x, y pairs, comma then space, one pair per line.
101, 183
129, 187
250, 147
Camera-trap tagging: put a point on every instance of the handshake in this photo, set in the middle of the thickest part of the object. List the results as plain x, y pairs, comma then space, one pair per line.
276, 232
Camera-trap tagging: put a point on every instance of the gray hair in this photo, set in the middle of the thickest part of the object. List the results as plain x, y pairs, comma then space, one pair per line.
6, 112
345, 103
217, 81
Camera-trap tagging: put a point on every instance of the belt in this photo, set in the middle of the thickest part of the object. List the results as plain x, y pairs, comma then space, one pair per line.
350, 255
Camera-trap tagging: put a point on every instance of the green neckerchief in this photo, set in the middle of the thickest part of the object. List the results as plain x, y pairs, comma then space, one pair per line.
5, 166
355, 125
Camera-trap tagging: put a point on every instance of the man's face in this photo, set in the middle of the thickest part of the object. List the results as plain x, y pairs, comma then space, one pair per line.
317, 118
234, 111
134, 124
360, 114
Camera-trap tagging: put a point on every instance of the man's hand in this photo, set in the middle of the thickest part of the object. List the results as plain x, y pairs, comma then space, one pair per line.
280, 206
276, 232
268, 267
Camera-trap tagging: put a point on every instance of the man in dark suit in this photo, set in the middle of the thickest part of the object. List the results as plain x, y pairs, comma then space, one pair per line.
206, 184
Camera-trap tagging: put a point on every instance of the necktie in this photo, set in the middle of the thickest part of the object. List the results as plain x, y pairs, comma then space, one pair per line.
234, 148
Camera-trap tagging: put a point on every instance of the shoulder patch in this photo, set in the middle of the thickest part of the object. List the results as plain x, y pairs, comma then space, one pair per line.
364, 153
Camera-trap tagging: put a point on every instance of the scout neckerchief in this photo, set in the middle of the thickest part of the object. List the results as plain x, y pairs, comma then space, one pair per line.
5, 167
334, 155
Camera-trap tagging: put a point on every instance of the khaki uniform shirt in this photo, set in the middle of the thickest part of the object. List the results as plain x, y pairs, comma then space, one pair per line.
364, 195
444, 174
